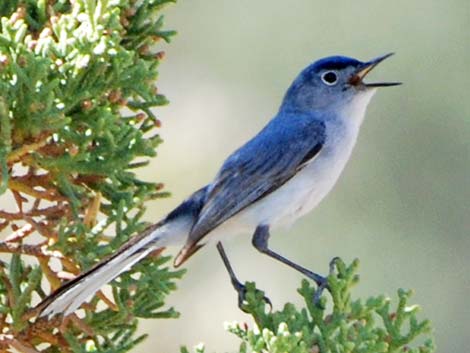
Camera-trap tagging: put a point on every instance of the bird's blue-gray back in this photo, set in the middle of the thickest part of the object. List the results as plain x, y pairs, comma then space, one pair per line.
259, 167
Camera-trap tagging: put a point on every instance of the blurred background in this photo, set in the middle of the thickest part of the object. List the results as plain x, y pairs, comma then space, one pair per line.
402, 205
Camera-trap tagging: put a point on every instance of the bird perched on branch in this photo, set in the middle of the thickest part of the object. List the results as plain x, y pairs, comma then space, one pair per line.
279, 175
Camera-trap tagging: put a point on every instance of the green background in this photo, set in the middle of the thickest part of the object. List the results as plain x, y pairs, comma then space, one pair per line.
402, 205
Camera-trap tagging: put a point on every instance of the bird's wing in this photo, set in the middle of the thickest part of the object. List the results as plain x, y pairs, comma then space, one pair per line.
259, 167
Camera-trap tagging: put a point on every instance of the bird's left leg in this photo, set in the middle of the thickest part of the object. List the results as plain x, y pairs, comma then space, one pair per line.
237, 285
260, 242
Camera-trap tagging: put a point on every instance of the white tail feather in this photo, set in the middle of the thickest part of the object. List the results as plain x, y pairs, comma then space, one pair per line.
70, 296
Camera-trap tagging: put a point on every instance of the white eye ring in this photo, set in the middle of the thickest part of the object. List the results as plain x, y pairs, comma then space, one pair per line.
329, 78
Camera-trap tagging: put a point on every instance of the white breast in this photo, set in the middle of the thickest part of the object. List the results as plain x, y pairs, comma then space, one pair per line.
305, 190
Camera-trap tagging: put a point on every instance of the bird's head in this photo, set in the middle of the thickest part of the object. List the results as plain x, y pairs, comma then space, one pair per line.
333, 83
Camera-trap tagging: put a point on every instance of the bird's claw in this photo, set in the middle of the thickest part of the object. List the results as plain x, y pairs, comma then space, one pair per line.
333, 264
321, 286
241, 290
322, 283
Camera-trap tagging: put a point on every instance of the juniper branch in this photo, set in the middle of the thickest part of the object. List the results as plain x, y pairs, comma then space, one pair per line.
67, 154
338, 324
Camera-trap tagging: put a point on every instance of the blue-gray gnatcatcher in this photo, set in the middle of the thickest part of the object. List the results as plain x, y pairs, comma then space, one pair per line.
276, 177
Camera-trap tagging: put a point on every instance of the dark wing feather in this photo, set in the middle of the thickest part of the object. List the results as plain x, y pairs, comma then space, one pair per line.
259, 167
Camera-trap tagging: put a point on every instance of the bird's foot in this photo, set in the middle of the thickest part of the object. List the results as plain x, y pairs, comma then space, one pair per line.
321, 286
242, 291
322, 282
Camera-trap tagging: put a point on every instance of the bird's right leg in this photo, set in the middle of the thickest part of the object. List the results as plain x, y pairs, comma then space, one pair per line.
237, 285
260, 242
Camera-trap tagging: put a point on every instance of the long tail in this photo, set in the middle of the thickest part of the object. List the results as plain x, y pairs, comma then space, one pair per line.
172, 230
72, 294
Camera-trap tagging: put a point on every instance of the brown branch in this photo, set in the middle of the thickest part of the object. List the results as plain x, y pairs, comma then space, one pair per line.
3, 225
107, 301
70, 266
42, 328
50, 195
51, 276
20, 233
34, 180
16, 155
36, 204
81, 325
88, 179
52, 150
45, 228
49, 212
39, 250
21, 346
92, 211
19, 200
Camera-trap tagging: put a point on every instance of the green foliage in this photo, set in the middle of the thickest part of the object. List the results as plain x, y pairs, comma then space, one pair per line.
77, 85
347, 326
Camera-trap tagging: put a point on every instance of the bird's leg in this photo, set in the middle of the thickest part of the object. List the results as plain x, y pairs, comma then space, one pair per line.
237, 285
260, 242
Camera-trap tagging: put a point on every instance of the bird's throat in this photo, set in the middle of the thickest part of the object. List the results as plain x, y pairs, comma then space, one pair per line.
355, 110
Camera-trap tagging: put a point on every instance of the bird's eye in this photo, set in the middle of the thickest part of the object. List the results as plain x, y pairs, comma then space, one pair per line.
329, 78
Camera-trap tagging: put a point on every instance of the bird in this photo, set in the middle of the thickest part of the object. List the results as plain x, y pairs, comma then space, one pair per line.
279, 175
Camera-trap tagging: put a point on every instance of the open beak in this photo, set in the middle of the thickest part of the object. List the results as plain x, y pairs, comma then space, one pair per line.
357, 78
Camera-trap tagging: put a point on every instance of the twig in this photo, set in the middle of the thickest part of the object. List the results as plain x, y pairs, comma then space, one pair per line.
48, 212
39, 250
16, 155
50, 195
21, 347
19, 234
